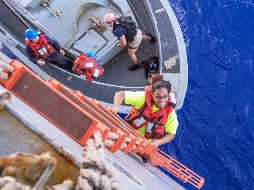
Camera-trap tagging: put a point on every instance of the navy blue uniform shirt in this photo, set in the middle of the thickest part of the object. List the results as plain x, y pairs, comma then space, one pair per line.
120, 31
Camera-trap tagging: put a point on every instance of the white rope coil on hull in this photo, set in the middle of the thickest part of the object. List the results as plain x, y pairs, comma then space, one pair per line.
9, 183
109, 143
4, 97
4, 64
113, 135
95, 172
3, 75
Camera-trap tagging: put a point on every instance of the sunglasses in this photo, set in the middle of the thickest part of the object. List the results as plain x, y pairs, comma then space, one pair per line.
107, 22
161, 97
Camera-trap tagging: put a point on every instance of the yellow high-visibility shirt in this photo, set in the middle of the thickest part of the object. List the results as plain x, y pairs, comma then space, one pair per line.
137, 99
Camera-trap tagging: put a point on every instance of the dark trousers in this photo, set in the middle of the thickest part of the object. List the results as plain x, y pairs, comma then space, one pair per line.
60, 60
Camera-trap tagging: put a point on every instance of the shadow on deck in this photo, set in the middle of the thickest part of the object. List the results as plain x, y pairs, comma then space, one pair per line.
116, 71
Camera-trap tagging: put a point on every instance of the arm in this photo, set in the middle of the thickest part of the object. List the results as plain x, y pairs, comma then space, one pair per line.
30, 54
118, 100
166, 139
170, 130
122, 41
120, 33
136, 99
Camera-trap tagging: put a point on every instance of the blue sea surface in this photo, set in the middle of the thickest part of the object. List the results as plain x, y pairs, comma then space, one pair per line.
216, 133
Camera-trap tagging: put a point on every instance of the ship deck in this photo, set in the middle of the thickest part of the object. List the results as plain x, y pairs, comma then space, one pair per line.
153, 17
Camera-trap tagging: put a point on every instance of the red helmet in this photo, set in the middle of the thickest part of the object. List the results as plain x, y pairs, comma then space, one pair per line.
109, 17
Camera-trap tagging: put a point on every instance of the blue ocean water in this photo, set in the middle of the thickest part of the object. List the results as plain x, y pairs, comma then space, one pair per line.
216, 133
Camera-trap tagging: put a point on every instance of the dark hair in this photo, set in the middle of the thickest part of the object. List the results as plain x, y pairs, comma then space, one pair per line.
158, 83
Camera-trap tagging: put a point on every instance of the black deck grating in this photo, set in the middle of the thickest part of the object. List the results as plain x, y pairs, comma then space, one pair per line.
52, 106
12, 21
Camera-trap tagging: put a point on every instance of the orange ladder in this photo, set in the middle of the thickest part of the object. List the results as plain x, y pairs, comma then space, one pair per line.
48, 102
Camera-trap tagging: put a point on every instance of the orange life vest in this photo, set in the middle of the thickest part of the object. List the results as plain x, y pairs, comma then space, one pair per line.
84, 65
42, 49
155, 121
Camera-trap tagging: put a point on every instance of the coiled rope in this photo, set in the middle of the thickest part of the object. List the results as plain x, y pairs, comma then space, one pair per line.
4, 66
9, 183
96, 172
4, 96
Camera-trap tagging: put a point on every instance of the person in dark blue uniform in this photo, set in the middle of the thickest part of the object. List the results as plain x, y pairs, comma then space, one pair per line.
124, 28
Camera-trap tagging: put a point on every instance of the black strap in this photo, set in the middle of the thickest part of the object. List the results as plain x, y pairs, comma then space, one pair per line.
157, 123
138, 116
132, 47
171, 104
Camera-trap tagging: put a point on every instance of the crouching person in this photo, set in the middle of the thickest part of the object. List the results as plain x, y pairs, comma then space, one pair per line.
41, 49
125, 29
88, 66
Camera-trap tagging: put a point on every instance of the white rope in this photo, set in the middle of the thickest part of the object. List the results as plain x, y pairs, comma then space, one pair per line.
4, 58
123, 146
112, 135
66, 185
9, 183
108, 143
127, 139
134, 147
3, 76
95, 172
6, 66
4, 96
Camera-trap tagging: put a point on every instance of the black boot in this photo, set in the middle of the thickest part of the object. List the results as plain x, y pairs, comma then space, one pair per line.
133, 67
145, 159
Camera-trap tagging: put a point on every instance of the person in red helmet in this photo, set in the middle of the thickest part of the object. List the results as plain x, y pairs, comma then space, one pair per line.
124, 28
153, 110
41, 49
